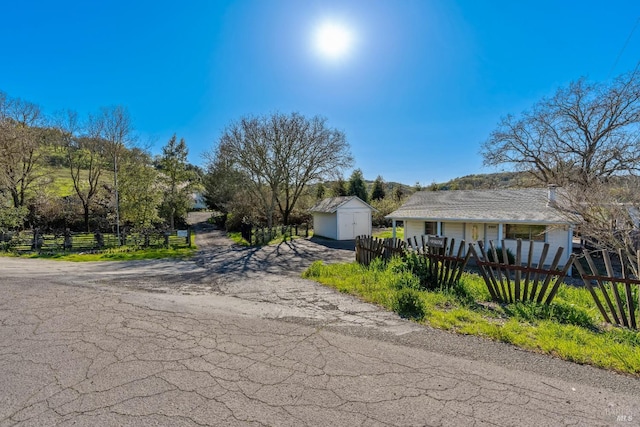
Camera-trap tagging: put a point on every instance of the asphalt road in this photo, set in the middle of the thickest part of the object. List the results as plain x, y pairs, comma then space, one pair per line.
236, 337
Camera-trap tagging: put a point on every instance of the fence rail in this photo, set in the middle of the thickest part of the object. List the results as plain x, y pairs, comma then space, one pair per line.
35, 241
263, 235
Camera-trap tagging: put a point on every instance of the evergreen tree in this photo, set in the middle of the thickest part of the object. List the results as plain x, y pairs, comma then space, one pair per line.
357, 186
339, 188
176, 177
320, 191
377, 192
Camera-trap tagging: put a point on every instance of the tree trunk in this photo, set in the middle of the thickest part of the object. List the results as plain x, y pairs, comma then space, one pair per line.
86, 216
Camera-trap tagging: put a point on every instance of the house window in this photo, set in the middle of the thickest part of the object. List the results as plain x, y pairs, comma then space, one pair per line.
525, 232
431, 228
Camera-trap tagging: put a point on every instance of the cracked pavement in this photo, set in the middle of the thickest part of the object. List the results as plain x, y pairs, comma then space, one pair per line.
236, 337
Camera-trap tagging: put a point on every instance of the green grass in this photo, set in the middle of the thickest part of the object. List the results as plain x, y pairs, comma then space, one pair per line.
570, 328
119, 254
388, 233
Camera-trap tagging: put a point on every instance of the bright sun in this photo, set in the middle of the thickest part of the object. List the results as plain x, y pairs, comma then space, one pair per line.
333, 40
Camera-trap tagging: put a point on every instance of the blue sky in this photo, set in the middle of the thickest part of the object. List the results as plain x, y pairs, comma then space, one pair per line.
423, 86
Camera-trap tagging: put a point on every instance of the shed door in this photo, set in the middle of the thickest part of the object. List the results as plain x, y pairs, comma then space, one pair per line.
354, 224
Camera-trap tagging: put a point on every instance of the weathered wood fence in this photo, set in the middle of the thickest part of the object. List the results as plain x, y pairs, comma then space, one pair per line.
263, 235
37, 241
616, 296
612, 288
444, 264
520, 282
369, 248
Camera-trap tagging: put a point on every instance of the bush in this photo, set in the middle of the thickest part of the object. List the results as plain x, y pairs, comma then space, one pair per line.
510, 256
407, 304
218, 219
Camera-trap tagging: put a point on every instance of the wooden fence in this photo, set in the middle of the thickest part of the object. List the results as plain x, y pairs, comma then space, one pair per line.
35, 241
263, 235
369, 248
520, 282
621, 288
444, 264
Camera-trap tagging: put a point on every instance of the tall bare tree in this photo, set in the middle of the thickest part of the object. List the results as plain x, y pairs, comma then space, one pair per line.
20, 140
585, 138
85, 155
280, 155
586, 132
117, 132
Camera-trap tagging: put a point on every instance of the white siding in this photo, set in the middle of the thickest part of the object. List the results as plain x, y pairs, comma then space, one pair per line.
325, 225
413, 228
453, 230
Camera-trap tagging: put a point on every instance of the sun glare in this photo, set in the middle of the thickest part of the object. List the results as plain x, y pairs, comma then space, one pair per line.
333, 40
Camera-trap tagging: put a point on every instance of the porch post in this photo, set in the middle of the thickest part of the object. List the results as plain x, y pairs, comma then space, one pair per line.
393, 232
500, 232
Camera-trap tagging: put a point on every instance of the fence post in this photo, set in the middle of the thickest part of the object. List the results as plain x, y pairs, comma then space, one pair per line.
99, 239
68, 243
37, 239
166, 239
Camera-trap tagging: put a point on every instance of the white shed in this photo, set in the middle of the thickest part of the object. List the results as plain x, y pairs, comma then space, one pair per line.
342, 218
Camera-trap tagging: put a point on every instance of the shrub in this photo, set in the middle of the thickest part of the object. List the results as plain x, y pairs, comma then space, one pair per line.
407, 304
510, 256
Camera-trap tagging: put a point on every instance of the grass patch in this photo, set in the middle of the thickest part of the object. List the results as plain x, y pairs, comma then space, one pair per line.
236, 236
570, 328
118, 254
387, 233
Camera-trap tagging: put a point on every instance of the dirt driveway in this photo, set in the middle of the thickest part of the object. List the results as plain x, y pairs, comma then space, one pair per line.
235, 337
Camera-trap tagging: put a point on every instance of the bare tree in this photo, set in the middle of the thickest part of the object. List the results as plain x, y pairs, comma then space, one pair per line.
116, 129
280, 155
86, 157
586, 138
585, 133
20, 140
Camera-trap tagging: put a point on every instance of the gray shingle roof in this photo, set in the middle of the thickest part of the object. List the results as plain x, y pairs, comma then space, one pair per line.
332, 204
523, 205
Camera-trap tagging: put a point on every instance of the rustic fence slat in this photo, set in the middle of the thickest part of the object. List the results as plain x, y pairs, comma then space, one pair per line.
559, 279
547, 280
543, 257
628, 292
614, 287
518, 262
587, 283
602, 287
525, 293
489, 273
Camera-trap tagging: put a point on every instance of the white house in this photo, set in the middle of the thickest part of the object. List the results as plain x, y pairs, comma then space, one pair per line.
472, 215
341, 218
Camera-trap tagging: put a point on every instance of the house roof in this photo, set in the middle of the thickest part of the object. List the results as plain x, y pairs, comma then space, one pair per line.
530, 205
332, 204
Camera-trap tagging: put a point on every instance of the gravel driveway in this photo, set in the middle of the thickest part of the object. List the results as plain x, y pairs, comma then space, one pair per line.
236, 337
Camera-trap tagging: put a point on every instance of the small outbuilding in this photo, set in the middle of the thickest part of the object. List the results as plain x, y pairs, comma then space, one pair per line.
342, 218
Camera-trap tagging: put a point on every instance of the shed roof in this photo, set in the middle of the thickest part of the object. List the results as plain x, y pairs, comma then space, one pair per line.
506, 205
332, 204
